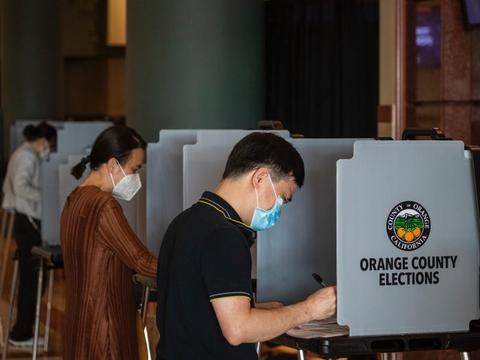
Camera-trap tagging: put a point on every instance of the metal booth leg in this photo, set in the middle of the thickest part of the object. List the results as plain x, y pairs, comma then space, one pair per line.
301, 354
146, 295
37, 311
2, 240
3, 226
11, 305
49, 308
147, 343
10, 218
464, 355
391, 356
258, 349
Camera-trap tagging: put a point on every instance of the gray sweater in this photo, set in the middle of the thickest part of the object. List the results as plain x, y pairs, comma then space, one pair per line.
21, 185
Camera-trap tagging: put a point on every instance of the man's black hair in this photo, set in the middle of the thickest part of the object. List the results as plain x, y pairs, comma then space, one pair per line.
265, 149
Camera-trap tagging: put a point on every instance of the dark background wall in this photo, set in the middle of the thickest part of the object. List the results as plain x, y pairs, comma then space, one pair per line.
322, 66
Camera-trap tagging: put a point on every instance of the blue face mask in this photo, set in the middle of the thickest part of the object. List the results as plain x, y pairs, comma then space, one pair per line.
265, 219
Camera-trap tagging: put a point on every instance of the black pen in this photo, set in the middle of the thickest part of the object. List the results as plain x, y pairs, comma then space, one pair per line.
319, 279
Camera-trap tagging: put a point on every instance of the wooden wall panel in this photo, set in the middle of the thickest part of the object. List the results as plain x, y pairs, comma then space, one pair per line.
95, 87
457, 122
476, 64
456, 53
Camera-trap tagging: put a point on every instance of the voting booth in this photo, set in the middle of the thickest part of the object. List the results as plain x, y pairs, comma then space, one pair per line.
16, 130
283, 257
165, 182
407, 250
70, 134
204, 161
74, 140
180, 167
303, 240
407, 238
50, 190
394, 224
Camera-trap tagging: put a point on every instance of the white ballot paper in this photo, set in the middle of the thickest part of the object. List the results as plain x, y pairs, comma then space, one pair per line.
326, 328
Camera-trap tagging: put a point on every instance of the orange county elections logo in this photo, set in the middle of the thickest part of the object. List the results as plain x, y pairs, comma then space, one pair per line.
408, 225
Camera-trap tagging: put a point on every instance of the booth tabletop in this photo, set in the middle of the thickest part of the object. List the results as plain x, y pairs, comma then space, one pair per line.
49, 253
147, 281
344, 346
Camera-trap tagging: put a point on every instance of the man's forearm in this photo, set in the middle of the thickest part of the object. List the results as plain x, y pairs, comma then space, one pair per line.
266, 324
242, 324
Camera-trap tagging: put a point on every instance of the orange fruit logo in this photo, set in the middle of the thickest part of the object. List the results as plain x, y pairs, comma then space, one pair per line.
408, 225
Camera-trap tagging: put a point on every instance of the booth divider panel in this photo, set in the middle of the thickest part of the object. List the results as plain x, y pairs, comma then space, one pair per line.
16, 130
388, 190
204, 163
303, 240
49, 186
78, 137
72, 139
165, 180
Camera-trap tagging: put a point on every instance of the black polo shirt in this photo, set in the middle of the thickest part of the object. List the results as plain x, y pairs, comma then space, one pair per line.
205, 255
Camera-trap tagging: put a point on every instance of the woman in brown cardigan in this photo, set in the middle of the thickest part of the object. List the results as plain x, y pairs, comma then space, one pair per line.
101, 251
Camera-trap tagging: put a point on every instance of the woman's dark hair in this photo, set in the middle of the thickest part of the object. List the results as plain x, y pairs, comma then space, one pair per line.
115, 142
265, 149
42, 130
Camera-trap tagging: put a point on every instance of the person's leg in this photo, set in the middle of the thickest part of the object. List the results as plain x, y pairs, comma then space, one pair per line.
26, 235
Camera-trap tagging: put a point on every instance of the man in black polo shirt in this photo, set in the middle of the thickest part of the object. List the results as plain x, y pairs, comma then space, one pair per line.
205, 303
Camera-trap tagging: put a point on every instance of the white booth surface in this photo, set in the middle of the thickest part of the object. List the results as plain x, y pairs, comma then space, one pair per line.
303, 240
50, 190
180, 167
72, 140
17, 127
204, 161
407, 238
204, 164
165, 182
66, 181
71, 134
78, 137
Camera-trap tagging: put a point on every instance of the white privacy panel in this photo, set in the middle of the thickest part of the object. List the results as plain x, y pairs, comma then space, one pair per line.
165, 180
204, 163
407, 238
17, 127
303, 240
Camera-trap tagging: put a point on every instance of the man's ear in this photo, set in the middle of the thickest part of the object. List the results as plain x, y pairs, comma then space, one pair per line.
259, 175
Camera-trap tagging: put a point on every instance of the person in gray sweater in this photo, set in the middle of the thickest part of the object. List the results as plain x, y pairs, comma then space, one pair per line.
21, 194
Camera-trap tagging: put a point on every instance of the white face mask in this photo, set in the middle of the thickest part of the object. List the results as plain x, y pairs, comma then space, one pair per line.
44, 154
127, 187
